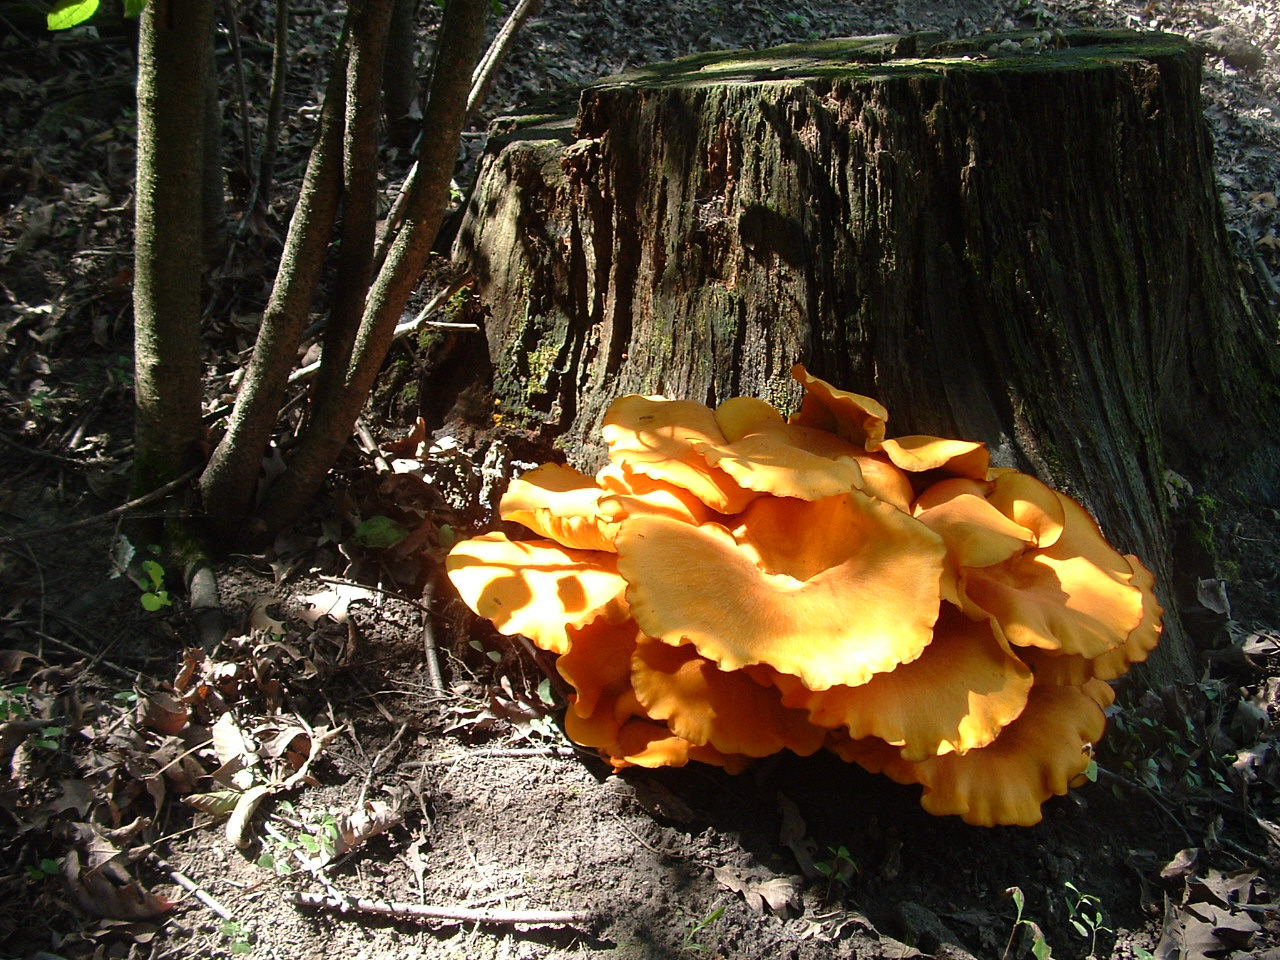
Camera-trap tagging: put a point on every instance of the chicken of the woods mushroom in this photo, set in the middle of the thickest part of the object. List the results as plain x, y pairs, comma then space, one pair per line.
736, 583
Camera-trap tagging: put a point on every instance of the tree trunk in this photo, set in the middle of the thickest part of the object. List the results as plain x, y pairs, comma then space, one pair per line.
1024, 248
334, 413
174, 47
400, 75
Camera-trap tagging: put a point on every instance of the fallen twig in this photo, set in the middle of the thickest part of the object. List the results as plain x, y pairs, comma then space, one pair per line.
435, 678
157, 494
133, 676
186, 883
418, 911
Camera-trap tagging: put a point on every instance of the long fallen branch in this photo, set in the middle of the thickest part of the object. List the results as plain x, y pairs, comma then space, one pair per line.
106, 517
418, 911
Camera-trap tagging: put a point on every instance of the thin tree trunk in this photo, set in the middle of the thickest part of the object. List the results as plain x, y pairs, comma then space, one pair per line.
487, 69
369, 20
334, 414
229, 481
174, 47
213, 203
400, 74
275, 112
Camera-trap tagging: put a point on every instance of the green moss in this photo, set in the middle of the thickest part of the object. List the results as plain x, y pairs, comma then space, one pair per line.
539, 363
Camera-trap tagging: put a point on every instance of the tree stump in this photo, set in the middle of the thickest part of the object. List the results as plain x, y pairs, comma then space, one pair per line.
1017, 242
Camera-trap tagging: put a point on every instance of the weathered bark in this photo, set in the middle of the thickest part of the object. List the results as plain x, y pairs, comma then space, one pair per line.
1022, 249
173, 52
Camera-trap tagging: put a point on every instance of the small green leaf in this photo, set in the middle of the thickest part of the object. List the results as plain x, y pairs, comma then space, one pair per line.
133, 8
69, 13
380, 532
154, 572
151, 602
309, 843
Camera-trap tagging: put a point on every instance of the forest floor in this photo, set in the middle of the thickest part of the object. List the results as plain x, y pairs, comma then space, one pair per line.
162, 800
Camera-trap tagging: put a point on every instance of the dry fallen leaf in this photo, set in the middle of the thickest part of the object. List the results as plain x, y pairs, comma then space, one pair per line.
792, 835
110, 893
781, 895
333, 603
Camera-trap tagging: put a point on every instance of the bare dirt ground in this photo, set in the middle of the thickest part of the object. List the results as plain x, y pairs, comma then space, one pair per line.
158, 800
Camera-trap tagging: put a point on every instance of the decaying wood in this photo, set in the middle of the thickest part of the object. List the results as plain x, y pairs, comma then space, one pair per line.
1023, 248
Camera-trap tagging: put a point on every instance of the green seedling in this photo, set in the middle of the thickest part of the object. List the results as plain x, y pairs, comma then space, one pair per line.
13, 703
1039, 946
48, 738
323, 841
154, 595
1084, 913
691, 942
839, 868
240, 941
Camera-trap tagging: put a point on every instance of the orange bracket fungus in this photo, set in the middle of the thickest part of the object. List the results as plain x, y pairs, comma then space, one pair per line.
736, 583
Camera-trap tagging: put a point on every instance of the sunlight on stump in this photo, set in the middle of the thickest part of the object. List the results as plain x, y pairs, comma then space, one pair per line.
730, 586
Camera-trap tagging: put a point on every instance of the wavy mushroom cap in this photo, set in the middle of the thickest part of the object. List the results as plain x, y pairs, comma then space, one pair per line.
534, 587
884, 481
634, 494
739, 416
923, 454
655, 436
1034, 758
957, 696
1068, 606
1057, 669
627, 738
976, 534
645, 743
561, 504
598, 663
1030, 504
787, 461
706, 705
832, 591
855, 418
1075, 596
1144, 638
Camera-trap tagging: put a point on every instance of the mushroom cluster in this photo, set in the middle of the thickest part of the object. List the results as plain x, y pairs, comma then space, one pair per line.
735, 583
